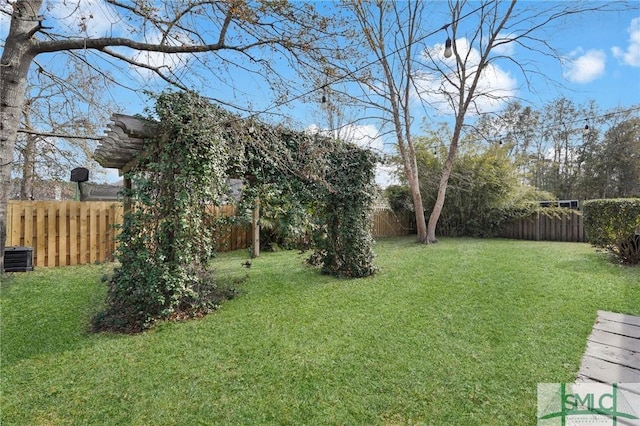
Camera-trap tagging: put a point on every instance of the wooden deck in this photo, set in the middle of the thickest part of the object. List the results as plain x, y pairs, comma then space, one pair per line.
613, 350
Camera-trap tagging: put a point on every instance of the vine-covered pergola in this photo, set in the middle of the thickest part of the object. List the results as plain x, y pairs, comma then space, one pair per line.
176, 165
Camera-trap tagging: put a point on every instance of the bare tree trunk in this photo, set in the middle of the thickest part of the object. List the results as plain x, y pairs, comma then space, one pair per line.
29, 162
465, 95
411, 172
28, 157
28, 168
14, 67
399, 97
442, 186
421, 224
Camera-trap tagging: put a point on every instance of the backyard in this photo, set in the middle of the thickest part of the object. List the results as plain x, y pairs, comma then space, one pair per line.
457, 333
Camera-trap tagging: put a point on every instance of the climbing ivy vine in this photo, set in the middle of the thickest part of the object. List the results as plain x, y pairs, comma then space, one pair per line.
167, 241
346, 249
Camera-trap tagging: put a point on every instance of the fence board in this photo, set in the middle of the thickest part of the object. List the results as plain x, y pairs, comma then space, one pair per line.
83, 235
18, 229
52, 235
101, 231
50, 228
93, 229
63, 209
28, 227
385, 223
40, 237
73, 234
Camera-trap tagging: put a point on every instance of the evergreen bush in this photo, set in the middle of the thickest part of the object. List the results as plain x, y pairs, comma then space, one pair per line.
614, 225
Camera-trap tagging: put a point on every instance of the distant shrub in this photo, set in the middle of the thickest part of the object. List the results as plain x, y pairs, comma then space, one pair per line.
615, 226
399, 198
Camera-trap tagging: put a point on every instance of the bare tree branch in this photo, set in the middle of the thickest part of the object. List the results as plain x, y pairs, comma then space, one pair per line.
59, 135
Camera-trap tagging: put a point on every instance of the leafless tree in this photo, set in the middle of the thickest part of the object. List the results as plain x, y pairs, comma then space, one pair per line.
386, 83
73, 102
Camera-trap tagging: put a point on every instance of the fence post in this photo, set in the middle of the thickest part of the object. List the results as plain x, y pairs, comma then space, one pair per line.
9, 225
255, 229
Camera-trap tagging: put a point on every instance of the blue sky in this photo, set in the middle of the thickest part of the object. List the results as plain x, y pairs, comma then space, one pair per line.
601, 62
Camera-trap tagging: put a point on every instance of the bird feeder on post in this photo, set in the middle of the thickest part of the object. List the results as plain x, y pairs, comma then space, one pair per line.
80, 175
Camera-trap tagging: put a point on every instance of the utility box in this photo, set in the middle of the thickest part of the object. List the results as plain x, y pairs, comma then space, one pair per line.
18, 259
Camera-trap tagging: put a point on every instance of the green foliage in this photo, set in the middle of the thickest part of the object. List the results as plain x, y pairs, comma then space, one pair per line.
168, 239
479, 186
554, 155
399, 198
482, 195
524, 203
614, 224
314, 190
612, 166
346, 249
286, 221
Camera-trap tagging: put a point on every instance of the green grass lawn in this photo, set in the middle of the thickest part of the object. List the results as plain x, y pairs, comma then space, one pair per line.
459, 333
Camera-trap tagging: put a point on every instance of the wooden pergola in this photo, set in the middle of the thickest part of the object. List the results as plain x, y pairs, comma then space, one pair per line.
125, 141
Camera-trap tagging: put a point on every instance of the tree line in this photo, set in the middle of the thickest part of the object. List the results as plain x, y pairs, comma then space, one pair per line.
571, 151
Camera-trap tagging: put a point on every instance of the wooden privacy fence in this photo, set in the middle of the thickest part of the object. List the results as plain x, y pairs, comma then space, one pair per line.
76, 233
65, 233
539, 227
385, 223
232, 237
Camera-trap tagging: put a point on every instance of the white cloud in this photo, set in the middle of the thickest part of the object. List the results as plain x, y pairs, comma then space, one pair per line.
166, 62
96, 18
495, 86
632, 55
584, 67
312, 129
366, 136
504, 47
162, 61
79, 18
